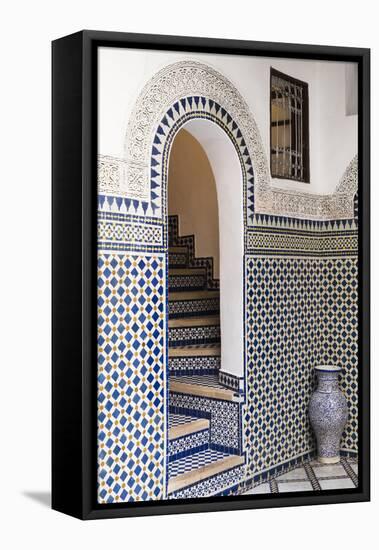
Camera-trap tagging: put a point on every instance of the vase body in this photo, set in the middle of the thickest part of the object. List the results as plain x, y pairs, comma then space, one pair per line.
328, 414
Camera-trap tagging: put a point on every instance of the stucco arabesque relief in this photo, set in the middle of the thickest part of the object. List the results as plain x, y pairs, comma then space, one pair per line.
129, 177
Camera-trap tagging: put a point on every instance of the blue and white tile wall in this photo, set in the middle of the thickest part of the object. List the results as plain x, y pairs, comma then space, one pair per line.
301, 309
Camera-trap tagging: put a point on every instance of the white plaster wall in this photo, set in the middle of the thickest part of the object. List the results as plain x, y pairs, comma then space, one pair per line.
333, 135
228, 176
192, 195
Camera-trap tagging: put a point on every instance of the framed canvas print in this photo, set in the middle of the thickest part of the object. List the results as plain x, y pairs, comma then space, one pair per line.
210, 274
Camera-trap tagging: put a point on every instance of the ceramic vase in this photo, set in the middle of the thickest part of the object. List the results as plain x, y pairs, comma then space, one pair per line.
328, 414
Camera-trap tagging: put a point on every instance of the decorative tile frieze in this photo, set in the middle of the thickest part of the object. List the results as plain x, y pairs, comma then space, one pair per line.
310, 243
110, 232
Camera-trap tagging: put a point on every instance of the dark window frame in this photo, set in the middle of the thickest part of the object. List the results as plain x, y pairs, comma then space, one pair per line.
305, 136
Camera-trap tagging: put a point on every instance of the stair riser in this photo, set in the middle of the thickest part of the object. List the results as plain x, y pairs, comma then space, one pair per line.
188, 445
222, 484
186, 336
177, 283
177, 259
193, 308
184, 366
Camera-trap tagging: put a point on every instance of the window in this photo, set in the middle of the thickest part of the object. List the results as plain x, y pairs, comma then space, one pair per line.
289, 128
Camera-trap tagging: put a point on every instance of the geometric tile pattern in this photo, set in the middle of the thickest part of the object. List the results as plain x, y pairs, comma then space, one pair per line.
194, 365
188, 444
301, 301
338, 339
183, 110
186, 282
179, 420
131, 377
224, 416
292, 303
231, 381
180, 111
193, 462
119, 232
194, 308
224, 484
313, 476
315, 243
179, 336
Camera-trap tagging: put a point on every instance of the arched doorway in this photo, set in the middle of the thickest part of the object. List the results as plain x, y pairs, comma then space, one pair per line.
193, 96
205, 304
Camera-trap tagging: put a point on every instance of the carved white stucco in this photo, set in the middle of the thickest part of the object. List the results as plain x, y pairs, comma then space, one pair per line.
129, 177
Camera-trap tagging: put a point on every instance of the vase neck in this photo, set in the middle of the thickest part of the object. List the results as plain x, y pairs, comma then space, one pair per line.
327, 381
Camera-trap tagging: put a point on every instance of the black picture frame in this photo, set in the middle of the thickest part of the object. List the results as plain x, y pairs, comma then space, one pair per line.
74, 151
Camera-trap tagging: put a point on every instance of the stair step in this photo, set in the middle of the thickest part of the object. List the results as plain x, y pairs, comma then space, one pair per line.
194, 334
191, 360
181, 425
198, 467
177, 249
195, 351
209, 320
185, 282
187, 436
193, 295
194, 307
187, 271
201, 386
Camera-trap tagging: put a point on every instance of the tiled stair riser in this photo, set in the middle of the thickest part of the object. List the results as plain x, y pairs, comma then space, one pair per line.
189, 444
223, 484
177, 283
181, 336
185, 366
193, 308
178, 259
225, 418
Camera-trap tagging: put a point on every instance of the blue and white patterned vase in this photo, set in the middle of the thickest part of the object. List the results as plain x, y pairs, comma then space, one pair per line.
328, 413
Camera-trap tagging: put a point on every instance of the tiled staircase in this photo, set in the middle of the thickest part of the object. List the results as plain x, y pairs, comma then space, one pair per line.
198, 464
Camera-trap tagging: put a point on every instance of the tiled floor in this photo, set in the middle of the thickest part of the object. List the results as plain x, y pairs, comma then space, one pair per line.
313, 476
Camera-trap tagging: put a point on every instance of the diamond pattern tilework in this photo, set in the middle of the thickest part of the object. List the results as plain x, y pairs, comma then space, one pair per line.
293, 304
338, 341
131, 377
